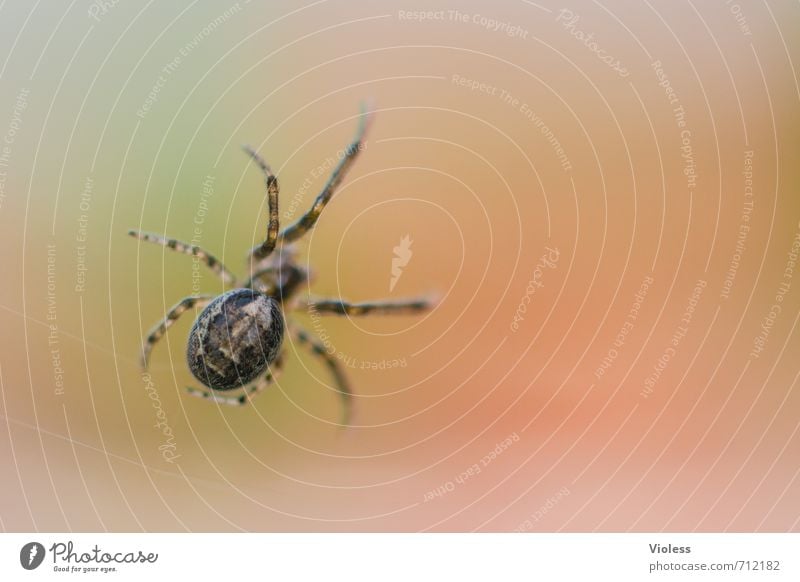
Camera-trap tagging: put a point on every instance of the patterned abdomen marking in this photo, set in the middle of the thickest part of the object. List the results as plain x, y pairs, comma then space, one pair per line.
234, 339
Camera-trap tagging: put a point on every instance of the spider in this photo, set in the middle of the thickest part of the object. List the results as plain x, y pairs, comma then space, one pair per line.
236, 340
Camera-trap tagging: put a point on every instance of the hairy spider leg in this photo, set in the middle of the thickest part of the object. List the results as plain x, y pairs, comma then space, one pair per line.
309, 219
158, 330
210, 260
316, 348
249, 393
340, 307
265, 249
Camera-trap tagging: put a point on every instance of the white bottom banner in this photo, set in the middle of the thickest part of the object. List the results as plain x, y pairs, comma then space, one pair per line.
460, 557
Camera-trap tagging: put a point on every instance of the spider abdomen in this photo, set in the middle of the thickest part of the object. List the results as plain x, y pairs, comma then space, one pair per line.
235, 338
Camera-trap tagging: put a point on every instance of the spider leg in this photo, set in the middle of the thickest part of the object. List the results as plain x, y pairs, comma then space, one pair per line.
158, 330
303, 337
340, 307
249, 391
307, 221
255, 282
210, 260
263, 250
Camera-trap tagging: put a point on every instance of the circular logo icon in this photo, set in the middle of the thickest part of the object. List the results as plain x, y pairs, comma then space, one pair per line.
31, 555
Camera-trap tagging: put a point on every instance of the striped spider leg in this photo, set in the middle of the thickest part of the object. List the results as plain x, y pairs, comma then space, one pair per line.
159, 329
342, 385
309, 219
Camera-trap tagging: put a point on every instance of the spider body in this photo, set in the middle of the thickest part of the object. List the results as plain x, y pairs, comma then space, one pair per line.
236, 341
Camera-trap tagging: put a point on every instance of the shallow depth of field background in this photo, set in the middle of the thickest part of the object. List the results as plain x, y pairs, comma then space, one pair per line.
490, 149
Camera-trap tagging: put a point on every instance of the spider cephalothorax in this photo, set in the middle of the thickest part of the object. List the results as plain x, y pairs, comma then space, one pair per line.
236, 341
